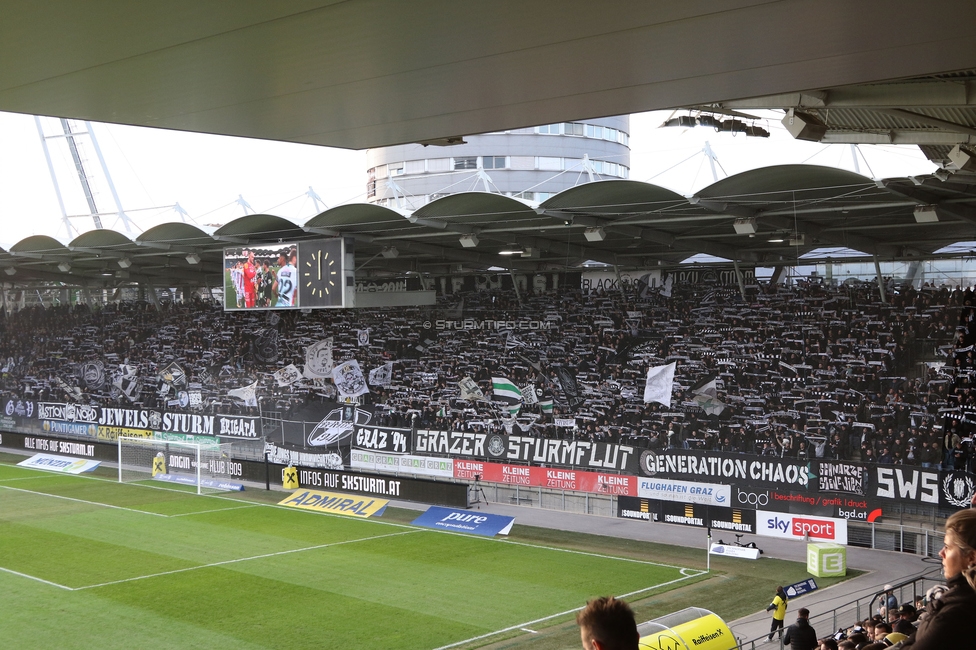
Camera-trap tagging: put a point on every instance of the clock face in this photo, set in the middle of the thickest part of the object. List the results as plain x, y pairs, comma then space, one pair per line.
320, 273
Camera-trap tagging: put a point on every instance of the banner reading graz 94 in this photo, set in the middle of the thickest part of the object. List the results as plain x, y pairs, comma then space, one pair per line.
527, 449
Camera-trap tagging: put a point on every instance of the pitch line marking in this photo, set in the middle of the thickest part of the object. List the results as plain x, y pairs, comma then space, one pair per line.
245, 559
93, 503
201, 512
30, 577
23, 478
522, 626
387, 523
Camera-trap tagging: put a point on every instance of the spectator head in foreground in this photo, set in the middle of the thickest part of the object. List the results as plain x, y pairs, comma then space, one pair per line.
959, 552
607, 624
828, 644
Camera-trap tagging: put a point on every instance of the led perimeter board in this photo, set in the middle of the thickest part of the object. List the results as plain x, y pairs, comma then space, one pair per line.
289, 275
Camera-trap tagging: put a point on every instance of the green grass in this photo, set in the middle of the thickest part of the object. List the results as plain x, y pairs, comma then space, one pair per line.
121, 566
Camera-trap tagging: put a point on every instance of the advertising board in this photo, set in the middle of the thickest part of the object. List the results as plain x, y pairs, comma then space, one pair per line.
799, 527
462, 521
546, 477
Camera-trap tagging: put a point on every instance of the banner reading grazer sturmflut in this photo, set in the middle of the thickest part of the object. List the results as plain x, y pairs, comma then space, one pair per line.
581, 454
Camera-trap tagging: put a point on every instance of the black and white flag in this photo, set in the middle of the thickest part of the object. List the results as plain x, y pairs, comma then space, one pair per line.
288, 375
349, 380
318, 360
381, 376
247, 394
470, 390
264, 345
127, 381
92, 373
173, 375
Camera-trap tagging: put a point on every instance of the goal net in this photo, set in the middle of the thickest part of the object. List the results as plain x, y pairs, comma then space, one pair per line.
207, 468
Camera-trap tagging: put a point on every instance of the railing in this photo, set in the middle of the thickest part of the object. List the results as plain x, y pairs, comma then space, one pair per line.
848, 614
895, 537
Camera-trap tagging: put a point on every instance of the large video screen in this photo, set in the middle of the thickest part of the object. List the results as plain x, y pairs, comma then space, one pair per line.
286, 275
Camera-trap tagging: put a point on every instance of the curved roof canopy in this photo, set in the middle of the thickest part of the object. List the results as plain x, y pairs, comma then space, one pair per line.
770, 216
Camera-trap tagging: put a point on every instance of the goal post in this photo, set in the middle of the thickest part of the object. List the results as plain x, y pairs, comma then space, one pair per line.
205, 467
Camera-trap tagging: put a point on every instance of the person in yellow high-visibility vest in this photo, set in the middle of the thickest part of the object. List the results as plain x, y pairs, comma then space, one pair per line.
159, 464
778, 607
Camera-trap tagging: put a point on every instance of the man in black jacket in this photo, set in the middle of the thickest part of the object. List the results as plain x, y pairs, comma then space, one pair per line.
800, 635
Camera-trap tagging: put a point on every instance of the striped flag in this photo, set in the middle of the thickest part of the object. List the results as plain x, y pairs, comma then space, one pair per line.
546, 406
505, 389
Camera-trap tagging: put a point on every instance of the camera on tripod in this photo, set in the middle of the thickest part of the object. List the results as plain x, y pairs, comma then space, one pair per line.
477, 478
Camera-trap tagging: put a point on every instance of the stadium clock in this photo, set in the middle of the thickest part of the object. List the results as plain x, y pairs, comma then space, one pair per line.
320, 276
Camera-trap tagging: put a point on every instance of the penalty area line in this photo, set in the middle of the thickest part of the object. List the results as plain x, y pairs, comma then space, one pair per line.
203, 512
35, 578
245, 559
526, 624
92, 503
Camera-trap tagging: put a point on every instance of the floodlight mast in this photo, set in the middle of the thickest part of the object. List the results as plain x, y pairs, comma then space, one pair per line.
70, 137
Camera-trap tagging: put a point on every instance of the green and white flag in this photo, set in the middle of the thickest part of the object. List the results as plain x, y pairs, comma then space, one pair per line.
546, 406
505, 389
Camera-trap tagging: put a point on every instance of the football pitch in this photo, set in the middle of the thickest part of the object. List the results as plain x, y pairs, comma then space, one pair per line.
86, 562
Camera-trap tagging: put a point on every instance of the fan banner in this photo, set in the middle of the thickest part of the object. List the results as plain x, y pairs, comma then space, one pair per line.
526, 449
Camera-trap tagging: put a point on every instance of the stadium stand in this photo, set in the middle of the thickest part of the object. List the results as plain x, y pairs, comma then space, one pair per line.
803, 371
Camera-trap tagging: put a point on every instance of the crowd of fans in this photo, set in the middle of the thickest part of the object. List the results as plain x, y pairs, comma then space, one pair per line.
806, 370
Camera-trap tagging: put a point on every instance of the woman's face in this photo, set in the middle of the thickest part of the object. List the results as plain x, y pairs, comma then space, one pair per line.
954, 558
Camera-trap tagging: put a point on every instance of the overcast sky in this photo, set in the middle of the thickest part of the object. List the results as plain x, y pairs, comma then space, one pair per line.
153, 169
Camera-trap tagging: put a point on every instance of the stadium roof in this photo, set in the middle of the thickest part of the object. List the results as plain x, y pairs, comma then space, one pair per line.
770, 217
362, 74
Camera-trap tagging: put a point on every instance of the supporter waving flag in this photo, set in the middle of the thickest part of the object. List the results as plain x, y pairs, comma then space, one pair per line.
505, 390
660, 381
470, 390
246, 394
381, 376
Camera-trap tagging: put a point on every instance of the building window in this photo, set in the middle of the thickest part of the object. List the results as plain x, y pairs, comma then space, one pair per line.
466, 162
439, 165
414, 167
396, 169
493, 162
522, 162
552, 129
572, 128
371, 183
550, 164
